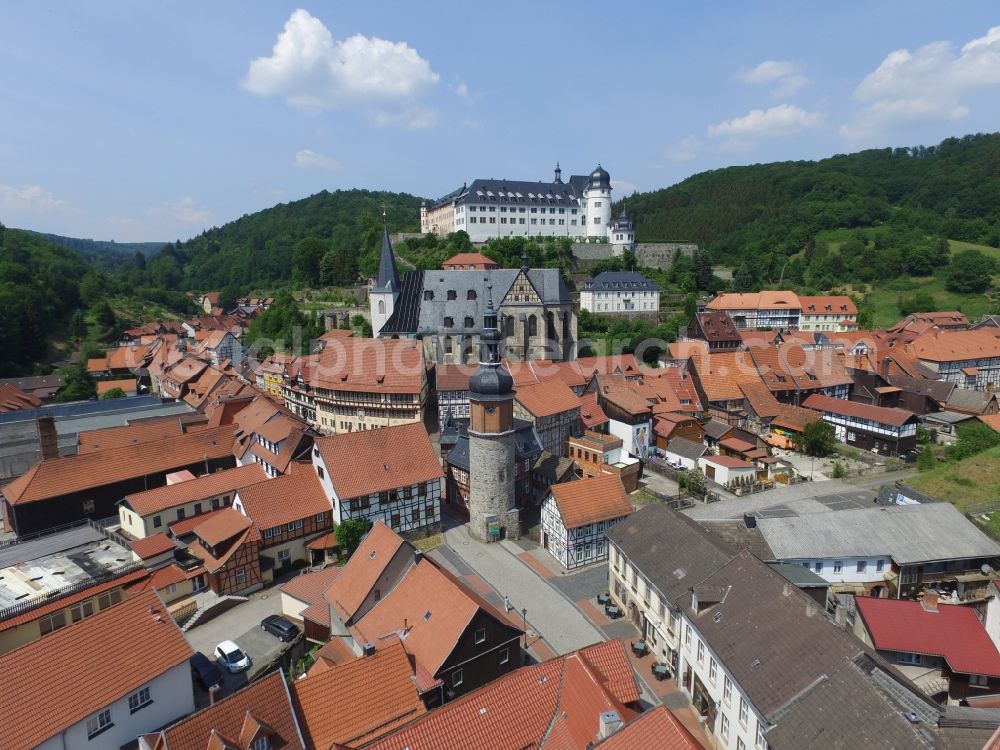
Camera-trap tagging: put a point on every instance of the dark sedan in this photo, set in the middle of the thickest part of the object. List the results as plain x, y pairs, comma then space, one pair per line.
279, 627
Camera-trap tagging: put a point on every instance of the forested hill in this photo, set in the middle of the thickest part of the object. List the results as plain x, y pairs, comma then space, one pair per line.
92, 248
773, 210
259, 250
39, 291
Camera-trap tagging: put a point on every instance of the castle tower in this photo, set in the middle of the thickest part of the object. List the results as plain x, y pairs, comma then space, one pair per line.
558, 177
597, 197
492, 453
385, 291
622, 235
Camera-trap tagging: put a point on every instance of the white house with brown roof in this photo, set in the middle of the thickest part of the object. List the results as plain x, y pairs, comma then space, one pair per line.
392, 474
575, 516
752, 310
98, 683
828, 313
970, 359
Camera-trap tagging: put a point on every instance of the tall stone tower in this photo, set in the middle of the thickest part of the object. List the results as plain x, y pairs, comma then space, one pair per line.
597, 196
385, 292
492, 453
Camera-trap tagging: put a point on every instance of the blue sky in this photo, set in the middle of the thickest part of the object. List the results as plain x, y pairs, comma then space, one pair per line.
152, 121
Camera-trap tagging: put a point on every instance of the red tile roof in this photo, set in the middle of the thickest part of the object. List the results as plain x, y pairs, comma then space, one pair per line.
735, 444
658, 728
453, 377
215, 528
880, 414
547, 398
351, 704
953, 632
128, 386
327, 540
584, 501
721, 374
552, 705
591, 413
364, 568
289, 497
828, 305
951, 346
436, 608
478, 260
61, 679
138, 431
366, 365
266, 702
192, 490
13, 398
152, 546
766, 300
310, 587
730, 462
367, 461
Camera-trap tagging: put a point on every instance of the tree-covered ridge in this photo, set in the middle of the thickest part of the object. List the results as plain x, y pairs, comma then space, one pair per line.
94, 248
766, 212
260, 249
39, 291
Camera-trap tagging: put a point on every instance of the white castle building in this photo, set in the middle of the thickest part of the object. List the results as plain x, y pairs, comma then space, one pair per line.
579, 209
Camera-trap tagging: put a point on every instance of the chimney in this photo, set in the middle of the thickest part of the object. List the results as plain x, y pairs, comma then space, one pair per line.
929, 601
368, 649
418, 555
48, 441
608, 723
885, 367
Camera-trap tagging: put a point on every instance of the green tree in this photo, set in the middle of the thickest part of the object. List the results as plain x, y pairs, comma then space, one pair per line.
970, 271
839, 472
972, 439
919, 302
926, 460
703, 270
350, 533
104, 316
306, 259
93, 289
79, 386
283, 327
743, 280
817, 439
113, 393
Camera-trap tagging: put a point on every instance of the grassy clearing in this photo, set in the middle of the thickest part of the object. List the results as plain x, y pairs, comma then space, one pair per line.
885, 298
973, 480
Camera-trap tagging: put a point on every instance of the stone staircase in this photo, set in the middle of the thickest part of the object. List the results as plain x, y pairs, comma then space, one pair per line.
210, 605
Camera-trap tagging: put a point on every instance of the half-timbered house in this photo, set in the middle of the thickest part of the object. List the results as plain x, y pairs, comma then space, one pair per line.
228, 544
575, 516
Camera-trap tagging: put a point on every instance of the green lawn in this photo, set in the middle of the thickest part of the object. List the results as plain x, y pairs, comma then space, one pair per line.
884, 299
973, 480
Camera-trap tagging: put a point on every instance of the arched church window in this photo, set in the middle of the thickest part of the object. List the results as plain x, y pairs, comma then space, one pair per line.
532, 326
381, 307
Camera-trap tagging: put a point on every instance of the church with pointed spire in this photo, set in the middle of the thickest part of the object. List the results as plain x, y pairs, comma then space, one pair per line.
536, 317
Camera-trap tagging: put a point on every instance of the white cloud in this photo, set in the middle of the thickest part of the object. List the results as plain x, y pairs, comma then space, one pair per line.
784, 119
464, 93
685, 149
787, 77
623, 187
31, 199
313, 71
183, 211
308, 159
925, 85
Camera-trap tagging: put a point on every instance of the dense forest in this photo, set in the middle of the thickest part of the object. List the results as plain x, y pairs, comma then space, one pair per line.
97, 248
760, 215
325, 239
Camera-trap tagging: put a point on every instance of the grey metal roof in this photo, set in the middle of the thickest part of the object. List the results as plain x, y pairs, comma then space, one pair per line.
800, 575
673, 552
686, 448
619, 281
907, 533
716, 428
388, 276
948, 417
413, 313
526, 443
552, 467
966, 398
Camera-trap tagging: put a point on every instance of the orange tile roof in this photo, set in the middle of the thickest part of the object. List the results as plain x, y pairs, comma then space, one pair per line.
952, 346
828, 305
584, 501
199, 488
880, 414
620, 392
137, 431
546, 705
13, 398
162, 577
721, 374
151, 546
766, 300
729, 462
287, 498
453, 377
310, 587
97, 364
547, 398
127, 386
224, 524
327, 540
436, 608
364, 568
591, 413
55, 477
366, 365
84, 666
658, 728
213, 563
687, 349
761, 400
185, 526
266, 701
991, 420
360, 701
470, 259
367, 461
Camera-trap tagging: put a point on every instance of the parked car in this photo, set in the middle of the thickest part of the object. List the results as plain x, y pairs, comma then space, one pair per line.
910, 456
208, 674
279, 627
232, 657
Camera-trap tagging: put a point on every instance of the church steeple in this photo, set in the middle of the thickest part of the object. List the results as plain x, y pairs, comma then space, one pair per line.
388, 276
558, 173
